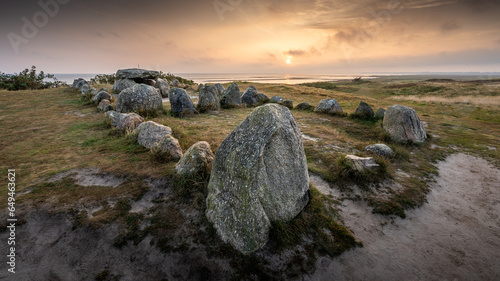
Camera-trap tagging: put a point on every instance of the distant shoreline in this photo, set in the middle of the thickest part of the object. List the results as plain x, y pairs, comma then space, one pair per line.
301, 78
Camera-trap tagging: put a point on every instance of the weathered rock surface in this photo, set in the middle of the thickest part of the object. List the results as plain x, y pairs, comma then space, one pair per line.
220, 89
380, 149
78, 83
380, 113
105, 105
231, 97
364, 111
85, 89
136, 73
263, 99
361, 164
124, 121
250, 97
163, 87
259, 175
140, 98
288, 104
180, 103
276, 99
403, 125
175, 83
208, 99
102, 95
170, 147
197, 160
304, 106
150, 133
123, 84
329, 106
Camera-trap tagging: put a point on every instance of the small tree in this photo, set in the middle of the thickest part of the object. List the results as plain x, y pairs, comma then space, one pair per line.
28, 79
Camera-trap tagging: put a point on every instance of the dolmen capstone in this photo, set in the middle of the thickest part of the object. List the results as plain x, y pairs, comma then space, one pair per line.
140, 98
403, 125
131, 76
259, 175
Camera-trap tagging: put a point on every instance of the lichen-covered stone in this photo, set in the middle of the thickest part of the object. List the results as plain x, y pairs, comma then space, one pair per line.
208, 99
180, 103
380, 149
104, 105
136, 73
304, 106
231, 97
263, 99
288, 104
259, 175
140, 98
276, 99
329, 106
403, 125
150, 133
123, 84
220, 89
124, 121
250, 97
197, 160
380, 113
102, 95
78, 83
364, 111
163, 87
169, 146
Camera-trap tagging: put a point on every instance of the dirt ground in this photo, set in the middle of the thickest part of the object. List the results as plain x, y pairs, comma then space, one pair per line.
454, 236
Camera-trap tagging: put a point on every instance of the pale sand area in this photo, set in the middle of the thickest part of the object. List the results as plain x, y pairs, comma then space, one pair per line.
454, 236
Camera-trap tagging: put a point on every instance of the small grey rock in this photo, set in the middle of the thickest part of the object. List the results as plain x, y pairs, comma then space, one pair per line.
329, 106
197, 160
380, 149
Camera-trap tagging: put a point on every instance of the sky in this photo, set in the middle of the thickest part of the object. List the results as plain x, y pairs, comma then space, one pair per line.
251, 36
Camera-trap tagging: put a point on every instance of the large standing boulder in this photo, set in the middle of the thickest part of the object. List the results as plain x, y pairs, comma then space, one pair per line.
250, 97
403, 125
180, 102
136, 73
140, 98
209, 99
163, 87
150, 133
364, 111
231, 97
123, 84
220, 89
197, 160
259, 175
329, 106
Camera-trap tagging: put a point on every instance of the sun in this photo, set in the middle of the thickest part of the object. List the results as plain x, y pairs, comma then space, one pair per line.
288, 61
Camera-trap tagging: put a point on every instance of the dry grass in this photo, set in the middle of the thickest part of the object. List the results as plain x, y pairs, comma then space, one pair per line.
474, 100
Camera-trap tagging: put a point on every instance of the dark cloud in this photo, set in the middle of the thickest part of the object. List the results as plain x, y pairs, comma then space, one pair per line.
302, 53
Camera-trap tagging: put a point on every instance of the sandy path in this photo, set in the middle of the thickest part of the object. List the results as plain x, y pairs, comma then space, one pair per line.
455, 236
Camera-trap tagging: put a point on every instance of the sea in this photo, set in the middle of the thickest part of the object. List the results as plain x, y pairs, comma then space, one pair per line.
230, 77
213, 78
